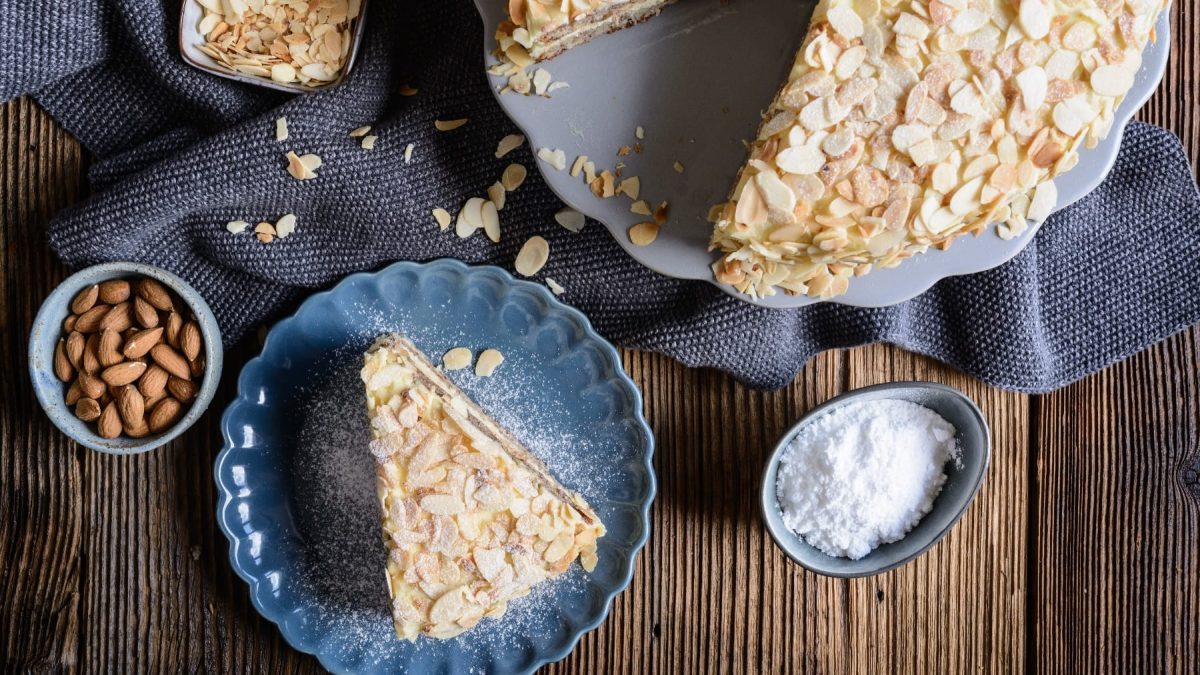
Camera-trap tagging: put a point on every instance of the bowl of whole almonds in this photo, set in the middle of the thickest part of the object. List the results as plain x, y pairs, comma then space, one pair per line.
124, 357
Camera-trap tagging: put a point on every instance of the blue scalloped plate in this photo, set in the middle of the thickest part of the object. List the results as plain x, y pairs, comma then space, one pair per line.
297, 484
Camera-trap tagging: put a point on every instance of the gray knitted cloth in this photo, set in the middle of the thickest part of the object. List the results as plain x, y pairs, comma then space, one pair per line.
180, 153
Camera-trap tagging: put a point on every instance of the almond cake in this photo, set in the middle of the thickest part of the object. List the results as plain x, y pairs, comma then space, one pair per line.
471, 519
904, 124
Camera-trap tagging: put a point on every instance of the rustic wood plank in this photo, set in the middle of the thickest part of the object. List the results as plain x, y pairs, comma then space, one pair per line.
41, 480
1114, 586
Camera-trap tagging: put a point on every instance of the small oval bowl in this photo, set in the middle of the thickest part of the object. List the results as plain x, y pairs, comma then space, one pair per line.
963, 479
47, 329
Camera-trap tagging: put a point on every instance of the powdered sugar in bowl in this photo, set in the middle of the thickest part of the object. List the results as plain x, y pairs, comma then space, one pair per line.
875, 477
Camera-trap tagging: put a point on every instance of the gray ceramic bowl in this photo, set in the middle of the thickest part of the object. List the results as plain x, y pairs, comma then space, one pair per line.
962, 481
47, 328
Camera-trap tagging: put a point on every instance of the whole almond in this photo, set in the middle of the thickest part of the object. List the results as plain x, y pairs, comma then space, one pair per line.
63, 369
139, 344
164, 414
156, 294
69, 323
75, 344
90, 385
91, 357
89, 321
190, 341
74, 393
130, 405
153, 382
197, 366
183, 390
85, 299
109, 425
114, 291
109, 348
136, 430
119, 318
144, 312
152, 401
87, 409
174, 328
171, 361
122, 373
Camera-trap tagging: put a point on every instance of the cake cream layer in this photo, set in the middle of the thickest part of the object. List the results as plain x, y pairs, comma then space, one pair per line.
471, 519
542, 29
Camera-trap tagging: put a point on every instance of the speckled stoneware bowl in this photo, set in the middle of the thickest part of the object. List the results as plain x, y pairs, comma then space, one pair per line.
963, 479
47, 329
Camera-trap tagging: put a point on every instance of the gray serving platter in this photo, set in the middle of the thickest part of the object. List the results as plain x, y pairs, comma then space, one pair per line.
696, 78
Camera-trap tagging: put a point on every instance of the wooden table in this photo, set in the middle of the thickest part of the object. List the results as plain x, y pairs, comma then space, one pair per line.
1081, 553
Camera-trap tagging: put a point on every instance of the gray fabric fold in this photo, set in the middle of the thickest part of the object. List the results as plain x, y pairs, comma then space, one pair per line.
180, 153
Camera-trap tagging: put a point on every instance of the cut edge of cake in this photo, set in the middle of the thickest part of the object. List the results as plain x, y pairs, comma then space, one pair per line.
536, 32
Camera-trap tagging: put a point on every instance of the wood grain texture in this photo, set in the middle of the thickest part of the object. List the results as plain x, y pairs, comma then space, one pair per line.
1079, 555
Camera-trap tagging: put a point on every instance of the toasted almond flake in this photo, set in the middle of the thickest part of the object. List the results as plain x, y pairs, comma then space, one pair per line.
577, 165
508, 144
1045, 198
570, 219
457, 358
487, 363
553, 157
661, 213
541, 81
639, 133
496, 194
491, 221
237, 226
443, 218
449, 125
554, 287
311, 162
360, 132
281, 129
301, 168
285, 225
678, 167
406, 90
641, 207
555, 86
630, 187
513, 176
532, 256
408, 152
643, 234
368, 142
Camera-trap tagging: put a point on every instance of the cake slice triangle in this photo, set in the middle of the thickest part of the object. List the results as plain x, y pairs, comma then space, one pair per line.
471, 518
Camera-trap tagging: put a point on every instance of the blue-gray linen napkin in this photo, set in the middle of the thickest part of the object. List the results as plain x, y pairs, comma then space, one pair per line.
180, 152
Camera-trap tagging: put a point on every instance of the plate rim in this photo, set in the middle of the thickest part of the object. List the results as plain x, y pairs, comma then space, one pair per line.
226, 495
1123, 115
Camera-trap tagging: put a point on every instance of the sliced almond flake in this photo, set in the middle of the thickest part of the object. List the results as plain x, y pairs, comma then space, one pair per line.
553, 157
532, 256
443, 218
624, 151
457, 358
311, 162
360, 132
555, 86
487, 363
541, 80
631, 187
449, 125
570, 219
237, 226
368, 142
513, 176
508, 144
661, 213
299, 168
285, 225
577, 165
641, 207
678, 167
408, 152
281, 129
1045, 198
491, 221
640, 133
643, 234
496, 194
406, 90
554, 287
